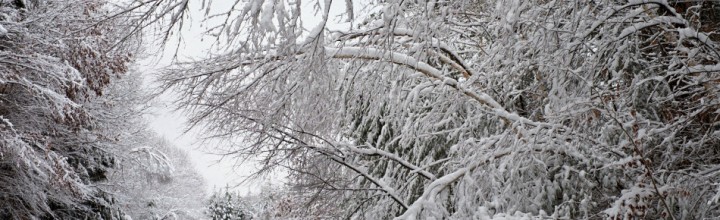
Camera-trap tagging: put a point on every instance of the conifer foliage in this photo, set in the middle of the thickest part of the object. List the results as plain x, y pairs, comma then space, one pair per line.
227, 206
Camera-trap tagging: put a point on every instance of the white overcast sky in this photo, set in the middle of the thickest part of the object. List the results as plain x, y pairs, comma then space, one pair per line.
170, 124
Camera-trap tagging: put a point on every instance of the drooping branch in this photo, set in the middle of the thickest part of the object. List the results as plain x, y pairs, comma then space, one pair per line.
288, 137
422, 67
370, 150
446, 53
408, 61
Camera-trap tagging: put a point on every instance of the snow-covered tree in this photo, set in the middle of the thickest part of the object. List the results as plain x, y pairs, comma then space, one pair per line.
69, 123
155, 180
56, 55
151, 179
226, 205
272, 202
469, 109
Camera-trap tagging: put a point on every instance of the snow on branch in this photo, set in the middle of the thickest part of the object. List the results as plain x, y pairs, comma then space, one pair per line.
405, 60
370, 150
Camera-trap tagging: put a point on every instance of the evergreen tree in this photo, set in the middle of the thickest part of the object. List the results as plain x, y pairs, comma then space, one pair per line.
227, 206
